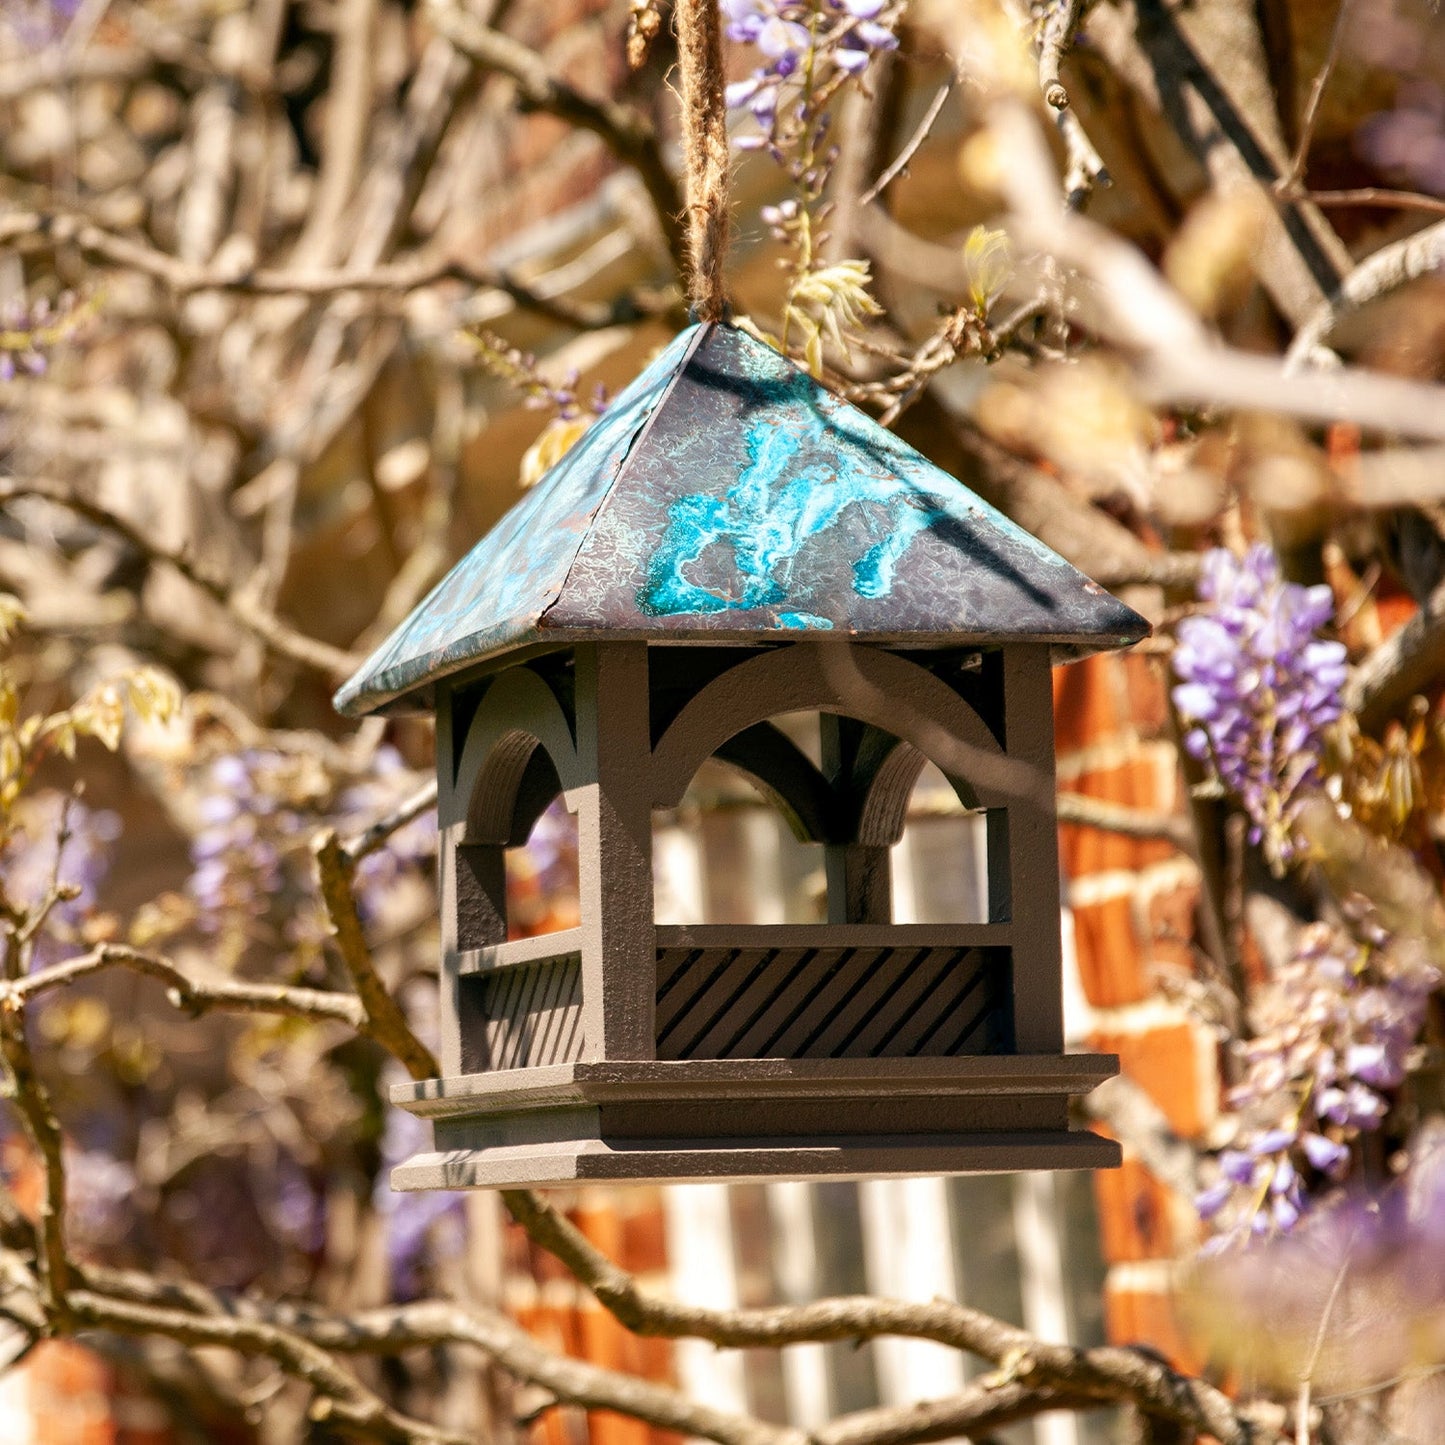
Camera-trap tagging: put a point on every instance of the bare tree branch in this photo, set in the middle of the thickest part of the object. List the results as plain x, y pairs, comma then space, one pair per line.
628, 133
282, 638
184, 990
384, 1021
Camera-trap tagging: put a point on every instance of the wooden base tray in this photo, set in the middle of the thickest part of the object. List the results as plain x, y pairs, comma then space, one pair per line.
678, 1121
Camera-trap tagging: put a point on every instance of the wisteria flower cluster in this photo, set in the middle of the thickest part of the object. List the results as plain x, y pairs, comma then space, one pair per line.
522, 370
808, 48
388, 784
1334, 1030
30, 329
1407, 141
57, 839
422, 1229
1259, 687
1371, 1265
38, 23
257, 811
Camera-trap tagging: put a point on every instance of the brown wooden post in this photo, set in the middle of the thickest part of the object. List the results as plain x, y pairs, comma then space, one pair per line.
1033, 853
860, 885
614, 826
451, 817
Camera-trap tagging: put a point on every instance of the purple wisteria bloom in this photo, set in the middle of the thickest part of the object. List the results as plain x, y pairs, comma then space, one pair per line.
807, 47
37, 24
1259, 687
100, 1194
422, 1229
256, 813
29, 863
1333, 1031
1352, 1298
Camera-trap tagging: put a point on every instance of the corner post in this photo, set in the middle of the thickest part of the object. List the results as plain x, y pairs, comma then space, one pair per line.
460, 914
1033, 853
614, 823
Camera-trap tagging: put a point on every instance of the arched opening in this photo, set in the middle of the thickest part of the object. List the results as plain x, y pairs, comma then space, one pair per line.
542, 886
770, 826
940, 868
726, 854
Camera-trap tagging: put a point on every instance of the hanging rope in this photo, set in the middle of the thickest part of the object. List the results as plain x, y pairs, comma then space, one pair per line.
705, 153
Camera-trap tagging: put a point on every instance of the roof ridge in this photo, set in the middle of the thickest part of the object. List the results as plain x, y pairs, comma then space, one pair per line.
700, 333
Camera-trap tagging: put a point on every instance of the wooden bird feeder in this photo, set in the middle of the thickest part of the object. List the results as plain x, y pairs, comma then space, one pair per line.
730, 543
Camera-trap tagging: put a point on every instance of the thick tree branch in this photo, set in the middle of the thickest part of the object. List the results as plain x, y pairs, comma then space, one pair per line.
1409, 661
1032, 1377
29, 231
32, 1101
1107, 1373
384, 1021
342, 1399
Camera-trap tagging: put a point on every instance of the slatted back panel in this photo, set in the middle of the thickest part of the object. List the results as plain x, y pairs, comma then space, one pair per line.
832, 1003
523, 1016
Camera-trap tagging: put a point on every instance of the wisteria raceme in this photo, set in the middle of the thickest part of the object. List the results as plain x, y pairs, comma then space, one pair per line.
30, 329
38, 23
388, 785
1333, 1031
29, 863
1371, 1264
100, 1194
1407, 140
252, 814
258, 809
1259, 687
808, 48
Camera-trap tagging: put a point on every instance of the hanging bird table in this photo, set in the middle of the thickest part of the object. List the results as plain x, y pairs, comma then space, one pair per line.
729, 543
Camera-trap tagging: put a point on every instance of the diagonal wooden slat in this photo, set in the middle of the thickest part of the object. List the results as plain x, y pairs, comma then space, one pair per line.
807, 1002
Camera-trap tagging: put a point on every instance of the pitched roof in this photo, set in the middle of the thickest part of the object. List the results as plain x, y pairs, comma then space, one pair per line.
723, 495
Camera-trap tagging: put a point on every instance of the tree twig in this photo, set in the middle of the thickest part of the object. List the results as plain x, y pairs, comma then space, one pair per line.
628, 133
1394, 265
184, 990
1300, 159
279, 636
356, 847
1128, 822
1061, 21
900, 163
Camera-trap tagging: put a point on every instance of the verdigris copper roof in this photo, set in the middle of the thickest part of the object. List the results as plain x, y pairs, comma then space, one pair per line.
723, 496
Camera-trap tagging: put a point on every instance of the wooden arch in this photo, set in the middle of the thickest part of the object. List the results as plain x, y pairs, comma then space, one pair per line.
913, 716
520, 752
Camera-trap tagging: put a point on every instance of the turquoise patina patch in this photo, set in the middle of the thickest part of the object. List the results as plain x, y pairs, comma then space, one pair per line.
775, 510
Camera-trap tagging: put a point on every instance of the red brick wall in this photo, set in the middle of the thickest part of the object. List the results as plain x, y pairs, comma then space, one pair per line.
1133, 903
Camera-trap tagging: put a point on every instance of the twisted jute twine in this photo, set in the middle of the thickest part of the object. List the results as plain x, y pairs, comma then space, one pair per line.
705, 153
